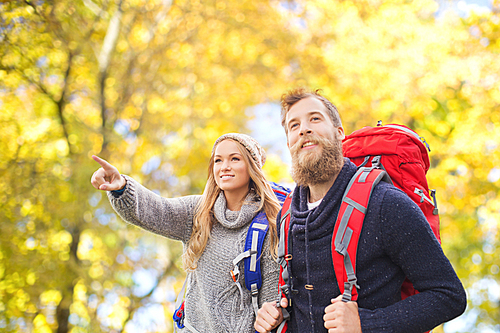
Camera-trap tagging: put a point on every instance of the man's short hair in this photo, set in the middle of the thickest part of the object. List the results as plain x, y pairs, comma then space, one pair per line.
293, 96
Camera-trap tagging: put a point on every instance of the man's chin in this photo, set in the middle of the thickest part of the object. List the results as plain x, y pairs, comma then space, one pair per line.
316, 165
309, 153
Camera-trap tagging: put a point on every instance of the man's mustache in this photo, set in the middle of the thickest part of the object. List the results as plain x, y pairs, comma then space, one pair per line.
311, 138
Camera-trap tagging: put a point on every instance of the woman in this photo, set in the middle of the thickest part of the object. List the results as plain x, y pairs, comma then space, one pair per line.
213, 229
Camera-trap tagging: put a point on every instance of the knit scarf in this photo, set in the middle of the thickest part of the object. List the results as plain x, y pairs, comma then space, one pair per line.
235, 220
319, 222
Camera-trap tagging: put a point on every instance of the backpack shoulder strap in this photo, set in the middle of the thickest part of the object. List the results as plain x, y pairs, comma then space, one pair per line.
251, 256
283, 257
348, 228
254, 243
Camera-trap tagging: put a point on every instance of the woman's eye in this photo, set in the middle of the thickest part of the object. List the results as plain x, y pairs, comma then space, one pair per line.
235, 159
218, 160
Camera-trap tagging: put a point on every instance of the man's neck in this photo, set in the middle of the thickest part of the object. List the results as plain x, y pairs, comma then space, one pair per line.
318, 191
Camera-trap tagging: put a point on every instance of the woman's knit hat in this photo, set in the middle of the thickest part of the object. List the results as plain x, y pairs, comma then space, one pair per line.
258, 154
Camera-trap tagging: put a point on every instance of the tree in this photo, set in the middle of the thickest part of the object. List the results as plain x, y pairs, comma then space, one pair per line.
141, 83
150, 84
396, 62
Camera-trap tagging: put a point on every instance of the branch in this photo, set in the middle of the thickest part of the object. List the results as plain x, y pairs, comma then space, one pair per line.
136, 300
29, 3
46, 19
61, 101
58, 102
15, 48
92, 7
103, 59
110, 40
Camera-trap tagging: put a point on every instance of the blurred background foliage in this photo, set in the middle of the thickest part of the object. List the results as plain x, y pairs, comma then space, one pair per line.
150, 84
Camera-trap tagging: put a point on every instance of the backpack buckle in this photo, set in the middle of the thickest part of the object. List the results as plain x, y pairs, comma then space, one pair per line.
255, 290
376, 162
286, 290
347, 295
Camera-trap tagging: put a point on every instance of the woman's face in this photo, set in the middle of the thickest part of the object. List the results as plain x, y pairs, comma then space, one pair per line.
230, 169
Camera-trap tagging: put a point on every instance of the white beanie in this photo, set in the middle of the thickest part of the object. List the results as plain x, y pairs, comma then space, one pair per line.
258, 154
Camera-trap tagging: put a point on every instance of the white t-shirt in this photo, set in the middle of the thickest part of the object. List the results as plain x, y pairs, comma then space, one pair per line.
312, 205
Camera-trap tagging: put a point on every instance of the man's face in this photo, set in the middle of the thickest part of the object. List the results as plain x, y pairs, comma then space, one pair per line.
314, 142
309, 117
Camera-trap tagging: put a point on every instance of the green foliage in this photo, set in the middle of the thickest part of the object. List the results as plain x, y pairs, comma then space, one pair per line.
150, 84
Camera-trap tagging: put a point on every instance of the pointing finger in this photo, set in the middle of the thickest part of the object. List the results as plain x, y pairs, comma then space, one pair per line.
104, 164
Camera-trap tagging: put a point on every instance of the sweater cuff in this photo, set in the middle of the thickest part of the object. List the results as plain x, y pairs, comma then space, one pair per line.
126, 197
117, 193
373, 321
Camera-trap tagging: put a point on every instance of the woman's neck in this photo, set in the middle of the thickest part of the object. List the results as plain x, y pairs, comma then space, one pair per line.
234, 199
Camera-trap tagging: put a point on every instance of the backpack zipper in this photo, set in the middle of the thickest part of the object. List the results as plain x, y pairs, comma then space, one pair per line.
412, 133
423, 197
433, 195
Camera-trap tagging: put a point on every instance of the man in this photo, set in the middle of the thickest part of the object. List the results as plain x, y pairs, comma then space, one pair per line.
396, 241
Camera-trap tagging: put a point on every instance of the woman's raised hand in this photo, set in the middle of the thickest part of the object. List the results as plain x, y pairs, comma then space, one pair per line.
107, 177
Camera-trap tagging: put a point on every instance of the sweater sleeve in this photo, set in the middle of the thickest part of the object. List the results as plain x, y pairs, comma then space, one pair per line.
414, 248
169, 217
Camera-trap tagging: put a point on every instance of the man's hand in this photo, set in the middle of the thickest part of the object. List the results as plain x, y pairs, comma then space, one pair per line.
342, 317
107, 177
269, 316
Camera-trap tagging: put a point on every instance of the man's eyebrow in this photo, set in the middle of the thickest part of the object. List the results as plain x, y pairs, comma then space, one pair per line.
309, 113
290, 120
315, 112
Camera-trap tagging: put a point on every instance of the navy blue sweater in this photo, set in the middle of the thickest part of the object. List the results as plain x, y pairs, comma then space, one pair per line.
396, 241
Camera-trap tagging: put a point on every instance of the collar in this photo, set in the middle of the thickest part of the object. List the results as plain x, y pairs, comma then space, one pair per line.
235, 220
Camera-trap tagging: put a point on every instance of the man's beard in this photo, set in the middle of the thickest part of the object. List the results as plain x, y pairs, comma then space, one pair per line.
313, 168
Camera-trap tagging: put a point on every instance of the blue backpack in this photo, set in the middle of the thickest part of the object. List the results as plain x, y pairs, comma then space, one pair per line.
250, 256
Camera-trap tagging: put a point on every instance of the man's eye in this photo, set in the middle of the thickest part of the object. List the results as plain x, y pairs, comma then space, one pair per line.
293, 125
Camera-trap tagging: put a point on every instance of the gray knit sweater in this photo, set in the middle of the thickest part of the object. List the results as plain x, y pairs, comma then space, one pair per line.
213, 302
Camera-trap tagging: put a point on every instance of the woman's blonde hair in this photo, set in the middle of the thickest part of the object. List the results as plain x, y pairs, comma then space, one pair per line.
204, 216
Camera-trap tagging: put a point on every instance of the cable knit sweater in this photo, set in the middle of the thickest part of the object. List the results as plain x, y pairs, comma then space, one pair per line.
396, 241
213, 301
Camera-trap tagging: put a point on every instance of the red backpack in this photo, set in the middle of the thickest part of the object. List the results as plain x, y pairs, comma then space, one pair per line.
392, 153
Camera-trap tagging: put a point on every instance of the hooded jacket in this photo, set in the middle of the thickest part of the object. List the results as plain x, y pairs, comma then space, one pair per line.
396, 242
